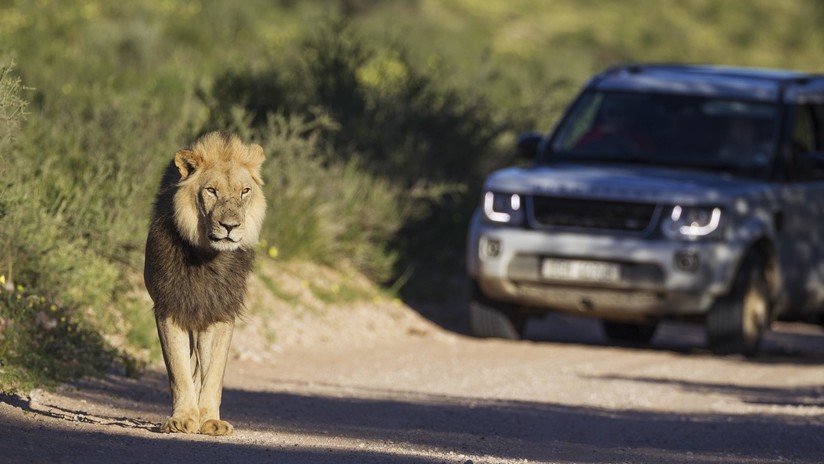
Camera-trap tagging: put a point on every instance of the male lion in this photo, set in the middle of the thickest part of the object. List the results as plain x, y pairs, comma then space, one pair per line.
207, 217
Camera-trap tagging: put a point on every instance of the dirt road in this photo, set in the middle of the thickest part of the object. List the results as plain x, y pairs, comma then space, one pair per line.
425, 395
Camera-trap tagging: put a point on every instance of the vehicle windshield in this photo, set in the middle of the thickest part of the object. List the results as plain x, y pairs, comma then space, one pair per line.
673, 130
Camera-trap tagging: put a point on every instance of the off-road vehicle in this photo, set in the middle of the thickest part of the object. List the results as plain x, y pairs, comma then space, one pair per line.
664, 192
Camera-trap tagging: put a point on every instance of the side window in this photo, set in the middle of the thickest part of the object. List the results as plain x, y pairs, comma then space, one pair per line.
807, 138
803, 139
818, 120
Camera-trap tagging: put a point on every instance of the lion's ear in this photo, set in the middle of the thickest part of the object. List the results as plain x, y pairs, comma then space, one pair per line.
256, 153
187, 161
256, 157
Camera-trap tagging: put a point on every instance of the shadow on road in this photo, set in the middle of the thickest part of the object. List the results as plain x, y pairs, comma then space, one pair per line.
785, 343
794, 397
105, 448
407, 427
540, 432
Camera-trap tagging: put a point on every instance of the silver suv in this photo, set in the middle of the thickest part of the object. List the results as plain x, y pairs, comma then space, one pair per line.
664, 192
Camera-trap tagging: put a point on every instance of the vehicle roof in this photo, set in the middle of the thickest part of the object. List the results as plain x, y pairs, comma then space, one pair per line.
771, 85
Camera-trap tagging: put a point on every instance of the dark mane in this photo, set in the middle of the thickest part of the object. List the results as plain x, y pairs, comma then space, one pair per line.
193, 286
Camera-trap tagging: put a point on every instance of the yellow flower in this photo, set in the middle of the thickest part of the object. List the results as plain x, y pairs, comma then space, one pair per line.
2, 279
273, 252
385, 73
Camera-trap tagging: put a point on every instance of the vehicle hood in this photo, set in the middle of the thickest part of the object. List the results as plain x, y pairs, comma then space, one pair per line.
629, 183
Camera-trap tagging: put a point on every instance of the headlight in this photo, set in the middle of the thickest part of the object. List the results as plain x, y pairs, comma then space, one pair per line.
688, 222
503, 207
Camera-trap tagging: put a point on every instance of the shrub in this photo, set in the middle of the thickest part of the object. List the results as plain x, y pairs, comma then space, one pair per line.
321, 209
382, 134
399, 119
12, 111
74, 214
84, 185
44, 343
41, 340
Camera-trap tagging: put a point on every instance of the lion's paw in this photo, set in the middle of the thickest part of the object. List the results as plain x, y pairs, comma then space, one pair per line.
216, 427
179, 425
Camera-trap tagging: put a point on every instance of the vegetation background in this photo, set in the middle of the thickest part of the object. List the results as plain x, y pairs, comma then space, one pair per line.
379, 118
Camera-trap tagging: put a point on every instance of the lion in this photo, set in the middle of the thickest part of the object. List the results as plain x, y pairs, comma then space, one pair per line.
200, 249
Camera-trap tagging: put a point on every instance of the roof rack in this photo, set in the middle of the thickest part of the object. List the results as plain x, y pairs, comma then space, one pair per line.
774, 75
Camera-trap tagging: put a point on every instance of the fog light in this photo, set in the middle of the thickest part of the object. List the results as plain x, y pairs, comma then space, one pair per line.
687, 260
491, 247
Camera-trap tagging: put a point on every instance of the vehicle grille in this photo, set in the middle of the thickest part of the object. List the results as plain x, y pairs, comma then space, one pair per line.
592, 214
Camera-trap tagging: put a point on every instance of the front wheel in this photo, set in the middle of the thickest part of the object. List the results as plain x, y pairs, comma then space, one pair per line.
736, 323
488, 319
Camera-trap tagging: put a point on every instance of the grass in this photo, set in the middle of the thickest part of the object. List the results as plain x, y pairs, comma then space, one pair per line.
42, 343
315, 286
277, 291
336, 293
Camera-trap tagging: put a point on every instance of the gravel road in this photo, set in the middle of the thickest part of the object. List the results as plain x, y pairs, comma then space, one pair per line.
426, 395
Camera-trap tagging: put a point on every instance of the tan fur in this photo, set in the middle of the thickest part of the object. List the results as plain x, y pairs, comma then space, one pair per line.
228, 166
207, 219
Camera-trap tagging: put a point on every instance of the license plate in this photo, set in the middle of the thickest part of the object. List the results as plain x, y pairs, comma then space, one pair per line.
572, 269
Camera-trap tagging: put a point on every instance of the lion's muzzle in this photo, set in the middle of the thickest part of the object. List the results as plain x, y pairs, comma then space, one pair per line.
225, 226
226, 232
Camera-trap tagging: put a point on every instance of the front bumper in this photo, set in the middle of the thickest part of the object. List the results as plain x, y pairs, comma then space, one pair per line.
658, 278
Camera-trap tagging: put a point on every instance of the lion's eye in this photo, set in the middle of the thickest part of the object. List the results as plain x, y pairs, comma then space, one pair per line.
245, 192
211, 191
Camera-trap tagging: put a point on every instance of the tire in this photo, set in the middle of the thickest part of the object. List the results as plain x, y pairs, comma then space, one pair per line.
625, 332
488, 321
736, 323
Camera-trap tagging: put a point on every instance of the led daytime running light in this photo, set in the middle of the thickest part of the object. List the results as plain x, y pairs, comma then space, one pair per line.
694, 229
499, 216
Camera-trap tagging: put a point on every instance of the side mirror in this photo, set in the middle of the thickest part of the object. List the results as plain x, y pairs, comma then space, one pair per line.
528, 143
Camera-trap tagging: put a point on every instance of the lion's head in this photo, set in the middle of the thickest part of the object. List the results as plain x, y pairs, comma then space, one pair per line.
219, 203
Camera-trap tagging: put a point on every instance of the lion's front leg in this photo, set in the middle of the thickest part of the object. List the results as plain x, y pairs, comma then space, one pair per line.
177, 350
212, 348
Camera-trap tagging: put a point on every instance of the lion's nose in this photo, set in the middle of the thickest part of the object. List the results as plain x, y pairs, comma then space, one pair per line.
229, 226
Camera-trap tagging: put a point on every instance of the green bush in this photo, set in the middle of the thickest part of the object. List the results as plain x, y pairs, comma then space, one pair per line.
12, 111
43, 343
85, 182
395, 116
322, 209
42, 340
393, 138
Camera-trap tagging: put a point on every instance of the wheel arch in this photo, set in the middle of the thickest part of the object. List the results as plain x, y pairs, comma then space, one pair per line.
737, 321
765, 249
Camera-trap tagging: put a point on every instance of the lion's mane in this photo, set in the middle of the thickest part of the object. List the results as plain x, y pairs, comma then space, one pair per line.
196, 285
